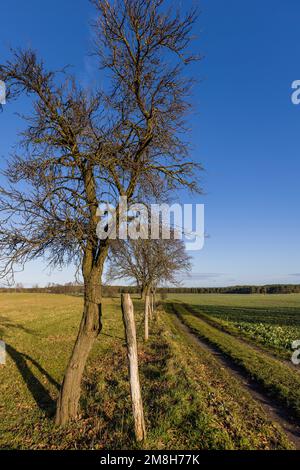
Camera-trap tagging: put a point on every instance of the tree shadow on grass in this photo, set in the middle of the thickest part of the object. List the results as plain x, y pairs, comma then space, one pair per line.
36, 388
6, 323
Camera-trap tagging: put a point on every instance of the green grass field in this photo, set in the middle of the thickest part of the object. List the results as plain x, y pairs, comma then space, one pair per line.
190, 402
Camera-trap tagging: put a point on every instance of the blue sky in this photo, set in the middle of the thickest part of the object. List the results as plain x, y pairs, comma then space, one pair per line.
245, 131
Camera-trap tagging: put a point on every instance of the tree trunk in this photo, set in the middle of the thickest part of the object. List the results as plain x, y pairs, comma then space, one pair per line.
90, 327
135, 389
146, 312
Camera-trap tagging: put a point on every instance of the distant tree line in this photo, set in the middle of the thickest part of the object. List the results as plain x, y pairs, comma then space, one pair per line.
267, 289
113, 291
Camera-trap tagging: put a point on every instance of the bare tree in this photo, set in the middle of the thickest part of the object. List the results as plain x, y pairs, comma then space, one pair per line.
149, 263
80, 149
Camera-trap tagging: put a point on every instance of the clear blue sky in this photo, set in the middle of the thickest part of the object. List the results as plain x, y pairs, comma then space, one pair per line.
246, 131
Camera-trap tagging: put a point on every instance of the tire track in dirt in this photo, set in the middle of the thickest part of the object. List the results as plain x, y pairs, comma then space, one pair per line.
245, 341
274, 410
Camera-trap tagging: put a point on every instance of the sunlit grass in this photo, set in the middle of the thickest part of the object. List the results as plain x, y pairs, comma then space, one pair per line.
190, 403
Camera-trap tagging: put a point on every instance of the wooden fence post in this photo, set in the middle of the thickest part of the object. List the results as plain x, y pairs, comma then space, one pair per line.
150, 307
152, 303
135, 389
146, 313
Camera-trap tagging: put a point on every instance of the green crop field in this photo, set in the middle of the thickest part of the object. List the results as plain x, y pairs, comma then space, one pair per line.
254, 331
190, 401
272, 321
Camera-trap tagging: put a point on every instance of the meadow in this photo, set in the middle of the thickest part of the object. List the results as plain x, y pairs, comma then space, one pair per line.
190, 401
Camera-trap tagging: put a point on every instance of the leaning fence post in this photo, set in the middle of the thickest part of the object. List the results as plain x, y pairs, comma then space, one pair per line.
135, 389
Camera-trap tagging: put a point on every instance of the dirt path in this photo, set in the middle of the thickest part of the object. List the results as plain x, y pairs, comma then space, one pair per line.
273, 409
248, 343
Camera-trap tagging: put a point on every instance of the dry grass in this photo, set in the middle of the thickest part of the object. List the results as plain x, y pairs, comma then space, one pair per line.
189, 402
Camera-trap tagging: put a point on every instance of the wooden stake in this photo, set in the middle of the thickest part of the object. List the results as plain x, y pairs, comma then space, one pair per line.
152, 303
135, 389
147, 307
